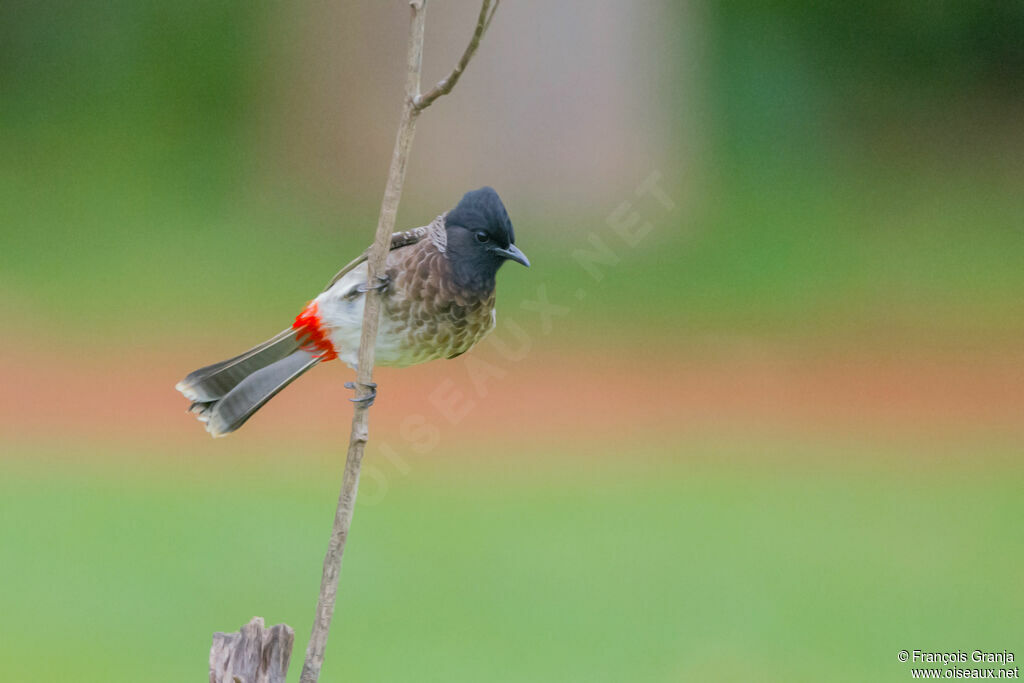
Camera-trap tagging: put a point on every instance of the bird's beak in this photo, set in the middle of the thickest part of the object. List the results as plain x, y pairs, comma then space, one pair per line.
513, 254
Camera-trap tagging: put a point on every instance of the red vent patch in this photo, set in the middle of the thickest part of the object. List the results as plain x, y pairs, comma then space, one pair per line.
310, 335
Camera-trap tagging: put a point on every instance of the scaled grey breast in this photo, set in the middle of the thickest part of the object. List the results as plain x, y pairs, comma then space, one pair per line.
439, 319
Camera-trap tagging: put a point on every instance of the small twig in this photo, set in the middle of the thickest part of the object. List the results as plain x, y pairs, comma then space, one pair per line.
445, 85
413, 104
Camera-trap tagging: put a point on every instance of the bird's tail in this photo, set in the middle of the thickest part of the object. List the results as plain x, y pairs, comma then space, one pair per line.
226, 394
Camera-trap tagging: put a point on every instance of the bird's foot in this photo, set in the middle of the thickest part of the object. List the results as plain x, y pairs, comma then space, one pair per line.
382, 283
365, 400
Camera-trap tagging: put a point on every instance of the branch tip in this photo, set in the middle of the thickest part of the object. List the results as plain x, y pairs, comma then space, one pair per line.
445, 85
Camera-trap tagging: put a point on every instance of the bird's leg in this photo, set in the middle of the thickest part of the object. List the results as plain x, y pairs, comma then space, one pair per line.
382, 283
366, 400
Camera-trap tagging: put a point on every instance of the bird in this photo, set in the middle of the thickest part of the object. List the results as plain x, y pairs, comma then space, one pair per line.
437, 301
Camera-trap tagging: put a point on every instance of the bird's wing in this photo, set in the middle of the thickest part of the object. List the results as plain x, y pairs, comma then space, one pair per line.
398, 240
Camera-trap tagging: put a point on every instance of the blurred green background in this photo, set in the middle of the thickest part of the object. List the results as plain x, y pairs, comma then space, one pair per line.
816, 464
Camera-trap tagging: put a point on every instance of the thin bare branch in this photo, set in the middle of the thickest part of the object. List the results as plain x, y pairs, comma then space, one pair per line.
367, 348
376, 256
445, 85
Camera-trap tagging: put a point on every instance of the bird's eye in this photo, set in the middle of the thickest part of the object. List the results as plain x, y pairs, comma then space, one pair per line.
482, 237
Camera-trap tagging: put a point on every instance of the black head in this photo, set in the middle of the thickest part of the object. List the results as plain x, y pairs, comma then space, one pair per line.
480, 239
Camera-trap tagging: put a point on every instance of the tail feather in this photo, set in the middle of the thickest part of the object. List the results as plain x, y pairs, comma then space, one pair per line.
226, 414
216, 381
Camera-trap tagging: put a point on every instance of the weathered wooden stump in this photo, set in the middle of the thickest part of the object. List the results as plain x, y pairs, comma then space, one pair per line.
252, 655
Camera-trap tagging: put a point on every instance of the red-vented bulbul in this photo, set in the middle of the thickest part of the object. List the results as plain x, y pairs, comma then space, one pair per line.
437, 301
